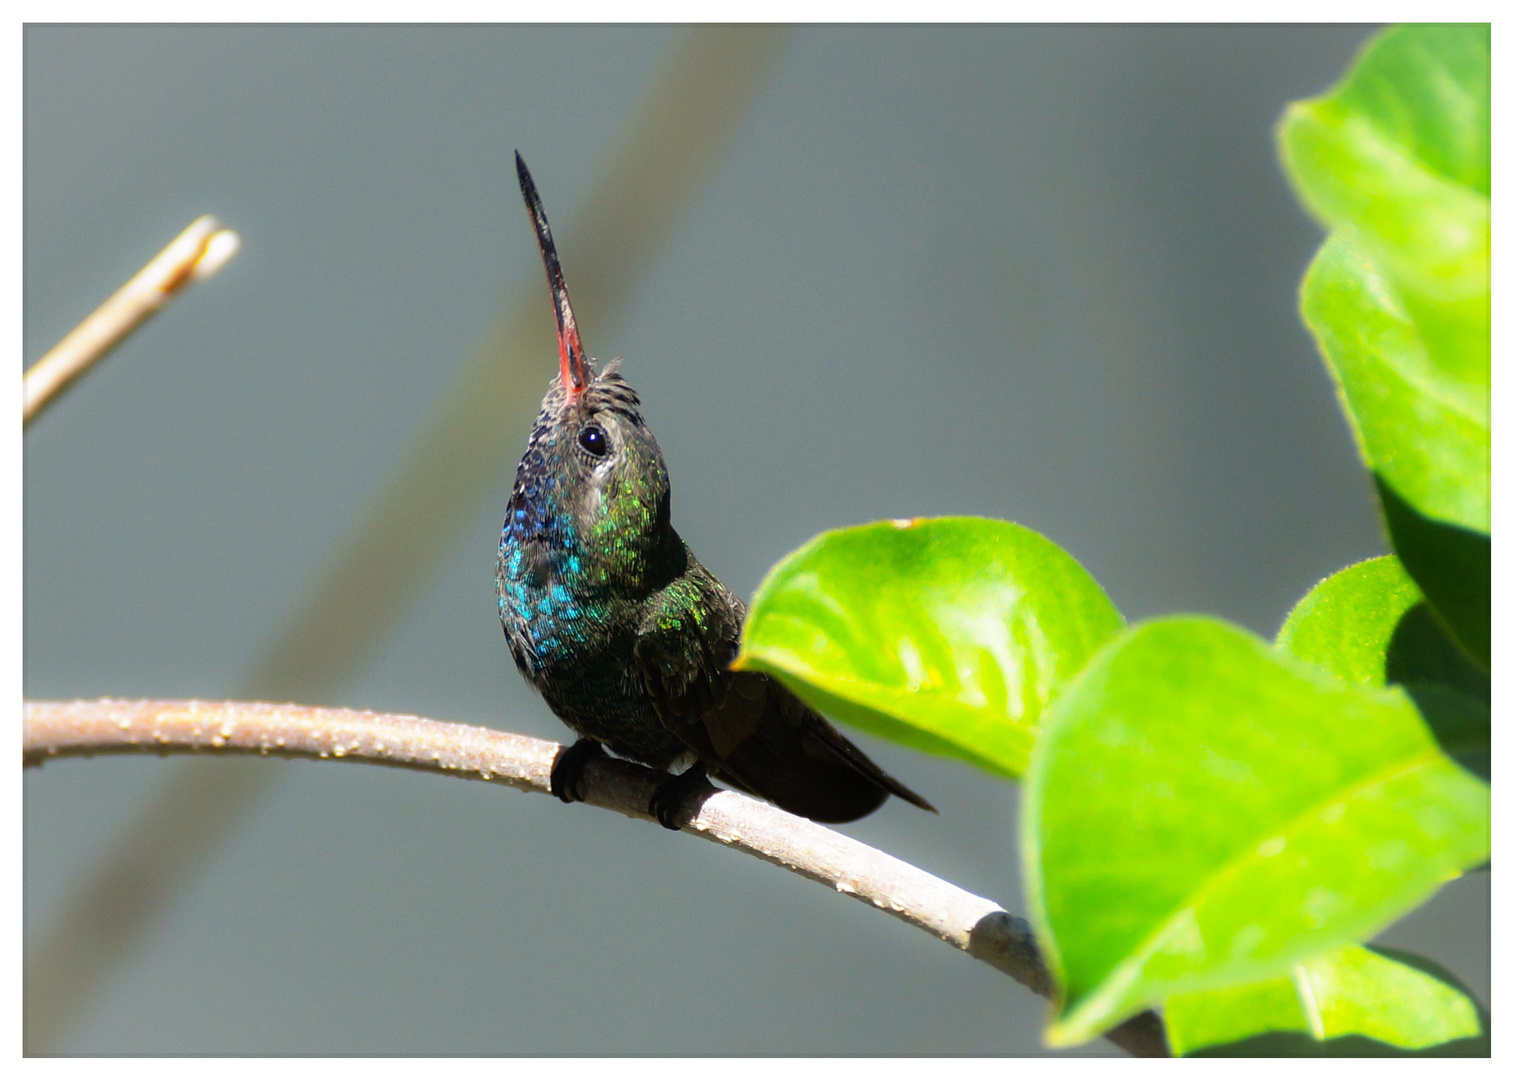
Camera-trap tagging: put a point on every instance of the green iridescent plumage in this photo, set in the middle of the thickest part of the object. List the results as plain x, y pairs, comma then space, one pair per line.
625, 634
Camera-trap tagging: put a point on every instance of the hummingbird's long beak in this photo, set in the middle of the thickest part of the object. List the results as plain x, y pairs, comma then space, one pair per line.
576, 373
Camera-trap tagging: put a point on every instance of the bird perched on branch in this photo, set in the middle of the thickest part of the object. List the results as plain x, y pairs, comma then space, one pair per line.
624, 633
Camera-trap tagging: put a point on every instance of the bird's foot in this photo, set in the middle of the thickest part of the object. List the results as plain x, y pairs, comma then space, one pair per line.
670, 798
567, 770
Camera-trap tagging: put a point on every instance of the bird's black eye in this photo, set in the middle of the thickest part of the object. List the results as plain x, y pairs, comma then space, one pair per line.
593, 439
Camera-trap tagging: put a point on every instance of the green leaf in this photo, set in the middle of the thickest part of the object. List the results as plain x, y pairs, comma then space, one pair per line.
1399, 154
1302, 1044
1346, 621
1351, 991
950, 635
1396, 161
1368, 624
1453, 565
1203, 810
1431, 454
1423, 432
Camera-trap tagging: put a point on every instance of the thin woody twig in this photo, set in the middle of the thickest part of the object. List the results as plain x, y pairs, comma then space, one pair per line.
973, 924
194, 255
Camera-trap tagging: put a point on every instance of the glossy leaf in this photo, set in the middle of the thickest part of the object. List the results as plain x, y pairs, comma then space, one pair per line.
1395, 160
1345, 623
1204, 810
1302, 1044
1453, 565
950, 635
1368, 624
1351, 991
1427, 435
1399, 155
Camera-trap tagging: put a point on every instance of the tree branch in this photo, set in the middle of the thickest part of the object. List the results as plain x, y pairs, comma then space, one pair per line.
194, 255
977, 926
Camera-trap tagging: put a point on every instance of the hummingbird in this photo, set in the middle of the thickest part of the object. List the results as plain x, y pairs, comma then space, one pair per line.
623, 631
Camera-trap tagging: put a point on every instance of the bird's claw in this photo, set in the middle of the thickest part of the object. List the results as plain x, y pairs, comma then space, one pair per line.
567, 770
668, 801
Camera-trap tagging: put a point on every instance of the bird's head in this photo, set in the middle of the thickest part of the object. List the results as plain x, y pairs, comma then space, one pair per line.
591, 450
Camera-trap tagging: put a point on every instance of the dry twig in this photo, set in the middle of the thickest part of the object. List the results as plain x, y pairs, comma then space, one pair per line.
977, 926
195, 254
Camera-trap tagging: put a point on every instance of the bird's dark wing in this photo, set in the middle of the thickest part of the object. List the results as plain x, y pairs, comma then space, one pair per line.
792, 756
684, 644
747, 728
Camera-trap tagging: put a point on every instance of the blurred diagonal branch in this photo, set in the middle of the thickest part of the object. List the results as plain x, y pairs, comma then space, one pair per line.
666, 154
973, 924
194, 255
477, 428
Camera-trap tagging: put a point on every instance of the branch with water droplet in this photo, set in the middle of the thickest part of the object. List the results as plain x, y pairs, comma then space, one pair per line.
979, 927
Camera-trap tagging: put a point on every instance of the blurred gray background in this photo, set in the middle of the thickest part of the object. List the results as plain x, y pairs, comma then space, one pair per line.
1045, 274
